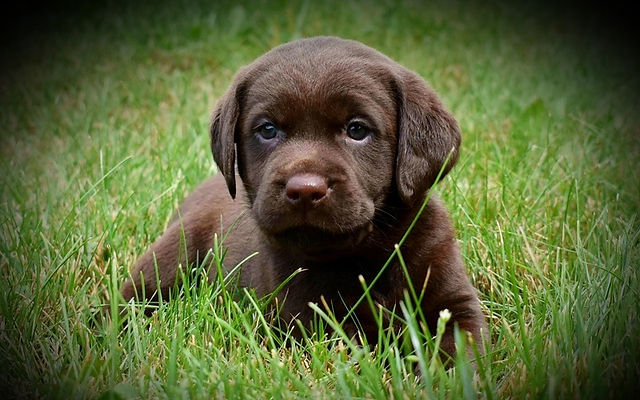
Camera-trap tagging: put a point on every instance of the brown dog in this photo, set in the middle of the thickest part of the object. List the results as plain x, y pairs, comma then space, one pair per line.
336, 147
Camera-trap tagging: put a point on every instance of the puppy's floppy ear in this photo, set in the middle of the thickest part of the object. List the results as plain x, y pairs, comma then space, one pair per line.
427, 133
223, 132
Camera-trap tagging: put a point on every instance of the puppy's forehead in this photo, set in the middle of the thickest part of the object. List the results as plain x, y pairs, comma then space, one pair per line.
309, 75
294, 83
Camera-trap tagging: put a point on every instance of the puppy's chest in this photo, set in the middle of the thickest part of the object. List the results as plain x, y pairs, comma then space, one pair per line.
338, 279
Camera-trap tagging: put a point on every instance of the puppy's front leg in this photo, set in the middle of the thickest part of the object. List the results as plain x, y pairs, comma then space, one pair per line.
182, 244
465, 312
447, 288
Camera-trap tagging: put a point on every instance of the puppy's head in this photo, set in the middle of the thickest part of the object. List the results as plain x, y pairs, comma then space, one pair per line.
325, 132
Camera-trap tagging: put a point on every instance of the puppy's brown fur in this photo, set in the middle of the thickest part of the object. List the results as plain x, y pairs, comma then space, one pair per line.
312, 196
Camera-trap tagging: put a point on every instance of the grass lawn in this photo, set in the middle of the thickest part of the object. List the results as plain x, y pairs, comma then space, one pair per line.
104, 128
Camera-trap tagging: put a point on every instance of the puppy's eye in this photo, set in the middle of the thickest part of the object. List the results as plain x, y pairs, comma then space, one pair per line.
268, 131
357, 131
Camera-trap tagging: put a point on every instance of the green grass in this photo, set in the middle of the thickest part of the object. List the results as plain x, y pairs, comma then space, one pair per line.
104, 130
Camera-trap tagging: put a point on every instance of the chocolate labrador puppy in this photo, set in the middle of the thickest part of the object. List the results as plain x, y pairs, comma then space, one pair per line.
336, 146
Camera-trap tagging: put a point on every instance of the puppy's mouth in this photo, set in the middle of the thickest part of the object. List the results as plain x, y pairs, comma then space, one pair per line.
314, 242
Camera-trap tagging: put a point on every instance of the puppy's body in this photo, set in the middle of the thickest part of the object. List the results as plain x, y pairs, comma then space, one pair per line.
336, 147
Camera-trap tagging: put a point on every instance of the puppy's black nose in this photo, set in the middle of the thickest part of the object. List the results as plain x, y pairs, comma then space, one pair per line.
306, 189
